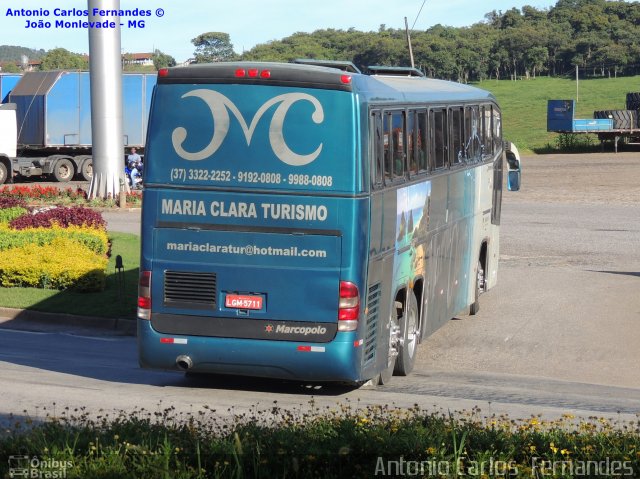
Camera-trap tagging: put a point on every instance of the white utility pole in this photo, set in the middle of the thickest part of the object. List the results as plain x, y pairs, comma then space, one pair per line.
105, 68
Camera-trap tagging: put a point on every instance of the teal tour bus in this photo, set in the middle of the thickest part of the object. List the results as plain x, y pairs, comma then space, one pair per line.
311, 222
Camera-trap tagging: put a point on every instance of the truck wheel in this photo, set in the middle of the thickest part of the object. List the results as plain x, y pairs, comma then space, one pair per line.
409, 325
633, 101
86, 169
3, 173
622, 119
63, 170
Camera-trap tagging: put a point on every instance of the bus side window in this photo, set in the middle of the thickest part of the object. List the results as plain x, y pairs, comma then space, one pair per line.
458, 150
438, 125
399, 155
388, 147
497, 131
411, 143
421, 142
487, 136
472, 132
377, 149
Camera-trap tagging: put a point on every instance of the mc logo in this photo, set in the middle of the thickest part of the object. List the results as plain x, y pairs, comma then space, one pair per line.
220, 107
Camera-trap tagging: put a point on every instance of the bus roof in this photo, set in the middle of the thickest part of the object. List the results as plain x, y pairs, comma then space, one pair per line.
371, 88
380, 88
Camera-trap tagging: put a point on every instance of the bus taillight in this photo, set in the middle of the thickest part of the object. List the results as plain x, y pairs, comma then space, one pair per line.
252, 73
348, 307
144, 295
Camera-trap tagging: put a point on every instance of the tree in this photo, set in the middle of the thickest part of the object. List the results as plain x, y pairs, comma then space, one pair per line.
10, 67
62, 59
213, 47
162, 60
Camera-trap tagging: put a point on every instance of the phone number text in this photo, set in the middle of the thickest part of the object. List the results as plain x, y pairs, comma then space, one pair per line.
225, 176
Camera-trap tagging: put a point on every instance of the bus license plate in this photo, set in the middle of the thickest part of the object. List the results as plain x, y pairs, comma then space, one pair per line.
242, 301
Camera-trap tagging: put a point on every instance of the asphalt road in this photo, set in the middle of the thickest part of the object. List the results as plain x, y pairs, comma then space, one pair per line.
560, 332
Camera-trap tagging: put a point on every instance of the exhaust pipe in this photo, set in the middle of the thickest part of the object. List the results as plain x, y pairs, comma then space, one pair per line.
184, 363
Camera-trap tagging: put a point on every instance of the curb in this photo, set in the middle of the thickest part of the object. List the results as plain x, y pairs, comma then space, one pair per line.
27, 319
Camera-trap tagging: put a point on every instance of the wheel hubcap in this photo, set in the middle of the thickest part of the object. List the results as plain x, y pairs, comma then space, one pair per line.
412, 334
480, 278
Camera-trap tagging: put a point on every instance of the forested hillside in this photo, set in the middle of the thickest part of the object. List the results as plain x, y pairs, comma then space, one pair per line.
601, 37
14, 53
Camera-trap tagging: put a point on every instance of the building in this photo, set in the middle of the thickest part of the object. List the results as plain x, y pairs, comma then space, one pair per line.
139, 59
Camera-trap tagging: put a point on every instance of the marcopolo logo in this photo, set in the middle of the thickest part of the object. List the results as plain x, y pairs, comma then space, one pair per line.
304, 330
220, 107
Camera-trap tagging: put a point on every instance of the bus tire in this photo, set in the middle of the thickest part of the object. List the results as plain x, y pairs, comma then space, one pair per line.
63, 170
475, 306
410, 327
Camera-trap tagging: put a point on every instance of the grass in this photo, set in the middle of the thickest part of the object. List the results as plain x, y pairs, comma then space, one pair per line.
524, 105
114, 302
333, 442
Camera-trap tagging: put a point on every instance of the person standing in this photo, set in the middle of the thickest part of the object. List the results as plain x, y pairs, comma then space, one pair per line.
133, 157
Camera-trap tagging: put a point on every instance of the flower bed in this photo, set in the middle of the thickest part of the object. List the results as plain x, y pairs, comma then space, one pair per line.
37, 194
57, 248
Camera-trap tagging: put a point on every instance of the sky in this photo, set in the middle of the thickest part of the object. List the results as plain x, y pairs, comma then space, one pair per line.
173, 23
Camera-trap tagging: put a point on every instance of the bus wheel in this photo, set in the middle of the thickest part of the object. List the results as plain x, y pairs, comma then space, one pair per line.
409, 324
475, 306
392, 355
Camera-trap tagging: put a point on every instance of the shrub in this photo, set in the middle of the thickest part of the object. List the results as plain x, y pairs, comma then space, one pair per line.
62, 216
94, 239
9, 214
134, 197
12, 202
61, 264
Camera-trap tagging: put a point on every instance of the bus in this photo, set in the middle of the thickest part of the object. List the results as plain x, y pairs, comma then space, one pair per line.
312, 222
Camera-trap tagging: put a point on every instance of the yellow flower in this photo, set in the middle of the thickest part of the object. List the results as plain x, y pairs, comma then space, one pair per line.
532, 448
565, 452
553, 448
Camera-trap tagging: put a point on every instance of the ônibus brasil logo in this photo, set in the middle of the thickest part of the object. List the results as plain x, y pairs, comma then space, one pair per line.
220, 107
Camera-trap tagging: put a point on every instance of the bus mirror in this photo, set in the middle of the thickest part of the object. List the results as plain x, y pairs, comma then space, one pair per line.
513, 167
513, 180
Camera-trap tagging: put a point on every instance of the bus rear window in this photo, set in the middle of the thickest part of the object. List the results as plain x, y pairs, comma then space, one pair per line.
252, 137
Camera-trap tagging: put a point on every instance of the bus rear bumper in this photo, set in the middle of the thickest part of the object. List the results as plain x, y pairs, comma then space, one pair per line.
337, 360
